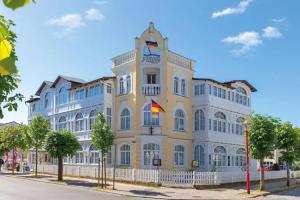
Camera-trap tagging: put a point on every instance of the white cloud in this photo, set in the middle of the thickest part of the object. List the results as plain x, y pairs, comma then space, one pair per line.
99, 2
277, 20
247, 40
271, 32
240, 8
70, 22
93, 15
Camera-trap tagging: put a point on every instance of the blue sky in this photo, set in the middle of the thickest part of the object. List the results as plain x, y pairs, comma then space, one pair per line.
256, 40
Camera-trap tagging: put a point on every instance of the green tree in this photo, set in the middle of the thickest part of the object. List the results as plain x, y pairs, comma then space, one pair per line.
261, 140
9, 78
38, 130
15, 138
287, 142
60, 144
102, 138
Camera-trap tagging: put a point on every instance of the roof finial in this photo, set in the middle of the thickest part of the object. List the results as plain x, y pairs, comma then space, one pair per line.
151, 27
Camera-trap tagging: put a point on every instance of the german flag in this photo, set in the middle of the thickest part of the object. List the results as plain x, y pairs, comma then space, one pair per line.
151, 44
156, 108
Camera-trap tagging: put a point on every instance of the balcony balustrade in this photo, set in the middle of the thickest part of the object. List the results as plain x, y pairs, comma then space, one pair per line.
151, 89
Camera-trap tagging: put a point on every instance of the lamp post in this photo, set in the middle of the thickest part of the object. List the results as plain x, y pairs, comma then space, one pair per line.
246, 124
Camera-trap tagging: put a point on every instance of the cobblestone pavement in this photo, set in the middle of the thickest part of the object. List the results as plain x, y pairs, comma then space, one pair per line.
291, 194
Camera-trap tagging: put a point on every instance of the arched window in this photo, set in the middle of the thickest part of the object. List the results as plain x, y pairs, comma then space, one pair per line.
125, 119
128, 84
93, 117
79, 158
179, 156
151, 151
239, 128
176, 85
122, 87
199, 120
241, 96
79, 122
179, 120
219, 157
47, 100
199, 154
125, 154
219, 122
240, 159
149, 117
62, 123
182, 87
94, 154
62, 95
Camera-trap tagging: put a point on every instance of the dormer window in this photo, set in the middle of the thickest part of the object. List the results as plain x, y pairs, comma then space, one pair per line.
47, 100
63, 95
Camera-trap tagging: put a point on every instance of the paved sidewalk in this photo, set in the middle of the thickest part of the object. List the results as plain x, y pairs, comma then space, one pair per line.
152, 192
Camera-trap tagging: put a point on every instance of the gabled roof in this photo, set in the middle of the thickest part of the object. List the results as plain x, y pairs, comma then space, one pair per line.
252, 88
74, 81
38, 92
32, 99
228, 83
104, 78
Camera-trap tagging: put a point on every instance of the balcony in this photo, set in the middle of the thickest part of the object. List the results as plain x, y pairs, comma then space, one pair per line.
151, 89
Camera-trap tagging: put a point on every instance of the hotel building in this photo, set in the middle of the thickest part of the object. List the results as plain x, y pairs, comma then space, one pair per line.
202, 119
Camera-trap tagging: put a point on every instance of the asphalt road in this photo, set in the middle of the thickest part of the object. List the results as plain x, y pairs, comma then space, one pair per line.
20, 189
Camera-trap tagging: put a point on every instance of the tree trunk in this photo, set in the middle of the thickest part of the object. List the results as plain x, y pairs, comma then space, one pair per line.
98, 172
105, 172
101, 170
13, 161
60, 169
287, 175
262, 175
36, 161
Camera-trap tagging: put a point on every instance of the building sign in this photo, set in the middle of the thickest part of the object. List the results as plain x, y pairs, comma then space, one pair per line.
195, 163
151, 52
156, 162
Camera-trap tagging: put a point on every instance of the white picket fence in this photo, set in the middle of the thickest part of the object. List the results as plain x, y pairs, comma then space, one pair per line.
167, 178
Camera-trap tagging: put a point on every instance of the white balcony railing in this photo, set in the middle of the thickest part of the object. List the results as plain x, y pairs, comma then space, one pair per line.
151, 89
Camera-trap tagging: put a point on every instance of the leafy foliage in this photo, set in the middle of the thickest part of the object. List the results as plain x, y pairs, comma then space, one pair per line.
13, 137
14, 4
9, 80
102, 136
262, 135
287, 141
38, 130
61, 143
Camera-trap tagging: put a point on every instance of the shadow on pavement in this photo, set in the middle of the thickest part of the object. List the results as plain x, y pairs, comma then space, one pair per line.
148, 193
82, 183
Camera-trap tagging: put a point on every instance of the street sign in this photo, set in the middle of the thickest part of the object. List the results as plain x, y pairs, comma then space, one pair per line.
156, 162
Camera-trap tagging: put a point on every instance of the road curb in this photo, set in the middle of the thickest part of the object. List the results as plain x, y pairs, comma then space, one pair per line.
97, 190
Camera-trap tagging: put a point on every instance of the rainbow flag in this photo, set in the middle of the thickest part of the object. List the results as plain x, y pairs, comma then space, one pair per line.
156, 108
151, 44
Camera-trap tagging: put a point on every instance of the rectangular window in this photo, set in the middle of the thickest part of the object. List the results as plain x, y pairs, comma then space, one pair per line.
219, 92
108, 88
232, 128
108, 116
215, 91
215, 125
209, 124
228, 127
202, 89
209, 88
228, 95
196, 88
151, 78
80, 94
232, 96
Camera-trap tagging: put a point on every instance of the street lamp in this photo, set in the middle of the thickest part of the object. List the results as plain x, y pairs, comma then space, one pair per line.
246, 124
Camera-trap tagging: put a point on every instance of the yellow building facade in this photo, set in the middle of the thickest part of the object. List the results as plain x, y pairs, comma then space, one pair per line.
151, 68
